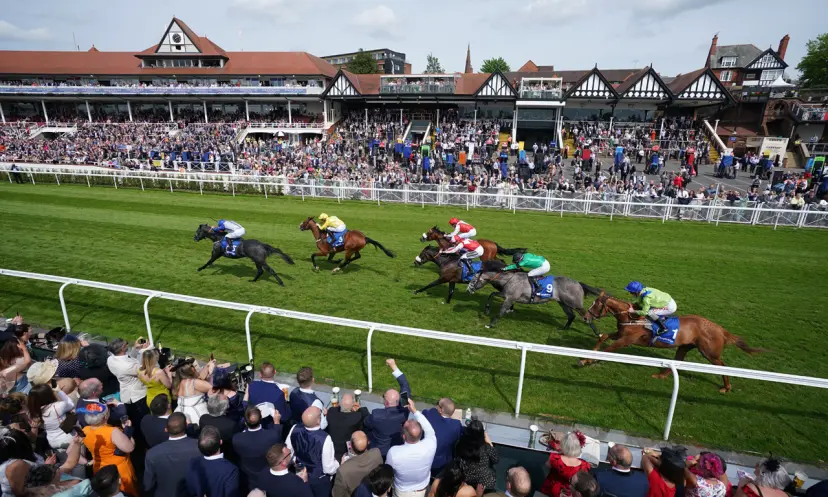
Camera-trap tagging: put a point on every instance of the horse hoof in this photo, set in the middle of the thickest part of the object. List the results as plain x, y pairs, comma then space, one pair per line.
251, 281
316, 268
724, 390
659, 376
335, 270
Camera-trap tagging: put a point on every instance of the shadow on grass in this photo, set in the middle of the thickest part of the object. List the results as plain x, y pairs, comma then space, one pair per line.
247, 271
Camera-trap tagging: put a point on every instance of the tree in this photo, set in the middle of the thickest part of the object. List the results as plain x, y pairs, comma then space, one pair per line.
495, 64
814, 66
433, 65
362, 63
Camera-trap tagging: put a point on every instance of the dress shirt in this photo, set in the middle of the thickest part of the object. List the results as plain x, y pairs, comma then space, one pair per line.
329, 462
125, 368
412, 461
316, 403
281, 472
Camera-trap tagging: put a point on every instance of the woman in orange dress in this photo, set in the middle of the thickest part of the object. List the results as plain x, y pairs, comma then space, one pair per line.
103, 440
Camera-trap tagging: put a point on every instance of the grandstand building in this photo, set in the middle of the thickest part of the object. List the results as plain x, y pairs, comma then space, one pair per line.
388, 61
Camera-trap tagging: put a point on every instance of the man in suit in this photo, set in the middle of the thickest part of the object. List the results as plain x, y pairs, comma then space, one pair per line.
448, 432
352, 471
167, 463
278, 481
89, 392
384, 426
266, 391
313, 448
619, 480
343, 421
217, 416
518, 484
154, 427
303, 397
252, 445
212, 474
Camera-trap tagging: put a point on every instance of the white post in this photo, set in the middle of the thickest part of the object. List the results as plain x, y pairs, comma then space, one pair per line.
247, 110
514, 126
612, 118
63, 306
370, 369
673, 399
661, 132
475, 116
147, 319
45, 114
2, 115
169, 102
520, 379
715, 126
366, 122
247, 332
290, 114
204, 102
438, 118
88, 112
325, 111
129, 110
401, 117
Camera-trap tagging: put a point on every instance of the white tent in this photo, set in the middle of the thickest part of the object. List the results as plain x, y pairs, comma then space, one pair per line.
780, 83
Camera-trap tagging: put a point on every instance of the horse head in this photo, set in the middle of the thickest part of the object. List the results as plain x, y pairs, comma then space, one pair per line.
489, 272
607, 305
202, 232
432, 234
428, 254
308, 224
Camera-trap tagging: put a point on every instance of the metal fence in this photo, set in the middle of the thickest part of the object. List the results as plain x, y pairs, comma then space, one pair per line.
599, 204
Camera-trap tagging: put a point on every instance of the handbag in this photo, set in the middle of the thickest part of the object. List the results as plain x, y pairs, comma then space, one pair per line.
69, 422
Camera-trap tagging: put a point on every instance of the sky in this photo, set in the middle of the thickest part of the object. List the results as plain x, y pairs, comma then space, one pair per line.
673, 35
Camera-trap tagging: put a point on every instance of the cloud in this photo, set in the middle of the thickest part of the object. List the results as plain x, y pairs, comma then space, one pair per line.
555, 10
379, 21
10, 32
670, 8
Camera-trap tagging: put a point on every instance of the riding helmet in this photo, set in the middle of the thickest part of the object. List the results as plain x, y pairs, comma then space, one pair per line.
634, 287
323, 216
517, 257
453, 221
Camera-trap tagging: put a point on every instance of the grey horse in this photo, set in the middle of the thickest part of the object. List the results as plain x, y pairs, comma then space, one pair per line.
514, 288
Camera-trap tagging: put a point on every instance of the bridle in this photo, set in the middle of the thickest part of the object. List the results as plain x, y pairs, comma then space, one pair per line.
605, 311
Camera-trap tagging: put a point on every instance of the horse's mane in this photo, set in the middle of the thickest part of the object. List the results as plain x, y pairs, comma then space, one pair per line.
493, 265
438, 230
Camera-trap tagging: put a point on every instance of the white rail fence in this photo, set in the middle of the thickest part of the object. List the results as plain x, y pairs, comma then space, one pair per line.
611, 205
523, 347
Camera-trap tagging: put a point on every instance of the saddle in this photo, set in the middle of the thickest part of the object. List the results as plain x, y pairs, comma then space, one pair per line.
230, 249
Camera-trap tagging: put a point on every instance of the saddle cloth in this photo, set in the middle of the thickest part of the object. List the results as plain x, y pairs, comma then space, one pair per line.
547, 287
336, 239
467, 276
224, 244
669, 336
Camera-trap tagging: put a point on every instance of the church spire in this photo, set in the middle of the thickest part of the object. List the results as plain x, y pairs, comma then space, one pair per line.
468, 69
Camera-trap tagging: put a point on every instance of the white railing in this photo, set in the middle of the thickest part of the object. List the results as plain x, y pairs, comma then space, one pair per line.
287, 125
372, 327
611, 205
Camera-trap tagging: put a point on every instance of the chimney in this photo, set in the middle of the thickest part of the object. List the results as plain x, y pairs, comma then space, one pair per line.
468, 69
783, 46
712, 51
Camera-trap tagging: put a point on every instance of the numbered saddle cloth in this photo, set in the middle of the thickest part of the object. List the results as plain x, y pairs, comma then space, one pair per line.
669, 336
336, 239
547, 288
225, 246
467, 276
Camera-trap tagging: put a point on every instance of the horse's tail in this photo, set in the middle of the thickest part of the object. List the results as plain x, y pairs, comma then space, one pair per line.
379, 246
590, 289
273, 250
741, 343
505, 251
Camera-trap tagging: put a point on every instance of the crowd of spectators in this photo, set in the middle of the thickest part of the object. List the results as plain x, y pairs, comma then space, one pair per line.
164, 83
124, 419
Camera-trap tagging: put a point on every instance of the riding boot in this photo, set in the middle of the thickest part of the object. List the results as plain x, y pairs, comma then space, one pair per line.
535, 287
662, 320
468, 265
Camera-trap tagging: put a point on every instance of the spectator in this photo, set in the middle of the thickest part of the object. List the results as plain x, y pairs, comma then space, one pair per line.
107, 482
447, 430
518, 484
14, 360
303, 397
562, 467
103, 441
224, 388
217, 416
383, 425
619, 480
452, 483
477, 456
705, 476
156, 380
583, 484
89, 392
212, 475
771, 480
412, 460
266, 391
343, 421
93, 365
377, 483
190, 388
357, 467
313, 448
125, 368
51, 407
17, 456
252, 446
68, 350
664, 471
278, 481
45, 479
154, 427
166, 464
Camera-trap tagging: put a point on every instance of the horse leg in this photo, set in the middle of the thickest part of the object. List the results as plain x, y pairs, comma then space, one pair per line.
624, 341
273, 273
603, 337
331, 258
213, 258
505, 307
681, 352
259, 272
582, 312
715, 358
489, 301
349, 258
570, 316
451, 291
438, 281
313, 259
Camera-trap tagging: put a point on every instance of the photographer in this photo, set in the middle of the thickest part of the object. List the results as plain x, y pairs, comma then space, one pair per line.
125, 367
189, 388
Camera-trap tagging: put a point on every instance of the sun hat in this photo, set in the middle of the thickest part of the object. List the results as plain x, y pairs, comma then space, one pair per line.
40, 373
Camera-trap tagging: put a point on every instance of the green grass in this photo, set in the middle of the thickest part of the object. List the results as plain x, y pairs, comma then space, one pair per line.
765, 285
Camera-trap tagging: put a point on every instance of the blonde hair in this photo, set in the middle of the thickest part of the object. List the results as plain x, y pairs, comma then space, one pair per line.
149, 360
68, 350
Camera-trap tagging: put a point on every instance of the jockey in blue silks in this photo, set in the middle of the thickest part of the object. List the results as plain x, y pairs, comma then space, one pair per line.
232, 231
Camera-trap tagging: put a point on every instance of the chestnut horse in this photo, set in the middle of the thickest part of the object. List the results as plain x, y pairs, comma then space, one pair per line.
694, 332
490, 249
354, 242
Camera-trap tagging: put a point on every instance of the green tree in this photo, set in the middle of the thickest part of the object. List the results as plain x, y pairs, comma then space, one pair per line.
362, 63
433, 65
814, 66
495, 64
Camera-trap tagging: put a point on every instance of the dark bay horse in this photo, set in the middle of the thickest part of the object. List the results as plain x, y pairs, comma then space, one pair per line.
694, 332
354, 242
450, 270
514, 288
490, 249
254, 249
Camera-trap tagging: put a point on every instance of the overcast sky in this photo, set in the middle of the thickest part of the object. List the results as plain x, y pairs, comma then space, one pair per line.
570, 34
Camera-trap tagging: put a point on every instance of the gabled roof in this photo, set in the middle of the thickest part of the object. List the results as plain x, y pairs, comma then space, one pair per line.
469, 84
594, 86
496, 85
528, 67
701, 84
645, 84
743, 53
777, 63
203, 44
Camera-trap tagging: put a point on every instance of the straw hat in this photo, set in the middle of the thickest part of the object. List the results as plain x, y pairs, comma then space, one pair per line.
40, 373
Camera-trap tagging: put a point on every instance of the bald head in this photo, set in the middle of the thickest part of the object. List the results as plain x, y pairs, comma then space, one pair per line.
446, 406
412, 431
359, 442
620, 456
312, 417
347, 402
391, 397
518, 482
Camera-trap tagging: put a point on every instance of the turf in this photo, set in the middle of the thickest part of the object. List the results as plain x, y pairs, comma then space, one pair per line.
765, 285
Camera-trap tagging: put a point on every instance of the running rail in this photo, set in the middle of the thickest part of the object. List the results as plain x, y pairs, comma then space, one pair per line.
523, 347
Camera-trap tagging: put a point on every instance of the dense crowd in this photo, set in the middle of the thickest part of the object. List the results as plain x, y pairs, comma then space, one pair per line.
165, 83
126, 419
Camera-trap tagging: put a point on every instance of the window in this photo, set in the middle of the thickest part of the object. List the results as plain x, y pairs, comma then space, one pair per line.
767, 59
769, 76
726, 76
728, 62
750, 76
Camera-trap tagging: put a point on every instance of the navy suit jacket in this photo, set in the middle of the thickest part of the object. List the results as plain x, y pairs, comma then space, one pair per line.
620, 484
384, 425
288, 485
252, 447
213, 478
166, 467
448, 432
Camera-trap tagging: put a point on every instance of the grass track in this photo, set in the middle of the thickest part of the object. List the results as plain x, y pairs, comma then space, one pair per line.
765, 285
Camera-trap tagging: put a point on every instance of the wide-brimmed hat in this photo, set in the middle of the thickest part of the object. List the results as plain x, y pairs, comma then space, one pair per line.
40, 373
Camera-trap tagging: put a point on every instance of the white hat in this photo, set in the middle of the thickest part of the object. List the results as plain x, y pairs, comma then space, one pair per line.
40, 373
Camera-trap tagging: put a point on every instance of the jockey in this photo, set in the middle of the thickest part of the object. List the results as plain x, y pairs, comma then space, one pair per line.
232, 231
461, 229
331, 224
537, 265
655, 305
468, 250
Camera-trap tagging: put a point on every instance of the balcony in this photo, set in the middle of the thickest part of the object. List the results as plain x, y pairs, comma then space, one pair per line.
541, 94
541, 89
422, 84
161, 91
811, 113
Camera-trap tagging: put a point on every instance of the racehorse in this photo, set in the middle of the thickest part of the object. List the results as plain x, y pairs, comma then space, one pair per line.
254, 249
354, 242
515, 288
694, 332
490, 249
450, 270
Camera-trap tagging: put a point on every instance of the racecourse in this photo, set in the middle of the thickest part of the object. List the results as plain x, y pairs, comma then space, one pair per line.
765, 285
